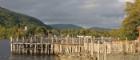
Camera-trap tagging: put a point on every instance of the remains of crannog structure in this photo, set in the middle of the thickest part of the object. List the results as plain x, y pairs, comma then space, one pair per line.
74, 45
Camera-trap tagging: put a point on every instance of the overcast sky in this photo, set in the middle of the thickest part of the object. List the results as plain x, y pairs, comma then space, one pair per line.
96, 13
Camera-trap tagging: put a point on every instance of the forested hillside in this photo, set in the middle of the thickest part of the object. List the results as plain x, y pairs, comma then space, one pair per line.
13, 24
65, 26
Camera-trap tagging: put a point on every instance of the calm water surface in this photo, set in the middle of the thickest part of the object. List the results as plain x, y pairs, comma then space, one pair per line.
5, 55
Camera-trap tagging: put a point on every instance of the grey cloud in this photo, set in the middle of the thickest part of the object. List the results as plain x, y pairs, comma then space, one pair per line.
104, 13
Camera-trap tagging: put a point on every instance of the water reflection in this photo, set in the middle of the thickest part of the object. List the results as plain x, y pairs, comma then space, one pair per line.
5, 55
29, 57
110, 57
4, 50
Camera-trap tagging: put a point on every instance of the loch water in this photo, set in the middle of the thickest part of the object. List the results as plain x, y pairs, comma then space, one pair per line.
5, 54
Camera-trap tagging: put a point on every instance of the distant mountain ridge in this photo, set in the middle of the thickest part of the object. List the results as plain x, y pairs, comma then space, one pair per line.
100, 29
72, 26
65, 26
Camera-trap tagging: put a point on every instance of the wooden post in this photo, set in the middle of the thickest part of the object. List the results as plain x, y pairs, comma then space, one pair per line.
93, 44
118, 38
41, 44
126, 45
79, 44
11, 39
98, 50
105, 53
17, 39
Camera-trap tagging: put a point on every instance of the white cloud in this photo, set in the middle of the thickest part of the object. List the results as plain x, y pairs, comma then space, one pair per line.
88, 6
130, 1
123, 1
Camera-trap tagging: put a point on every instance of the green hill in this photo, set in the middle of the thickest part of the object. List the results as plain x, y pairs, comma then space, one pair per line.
65, 26
11, 19
13, 24
100, 29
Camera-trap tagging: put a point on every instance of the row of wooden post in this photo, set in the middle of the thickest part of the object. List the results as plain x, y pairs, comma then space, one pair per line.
62, 46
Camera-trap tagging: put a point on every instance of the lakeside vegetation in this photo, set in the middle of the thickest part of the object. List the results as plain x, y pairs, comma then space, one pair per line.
132, 20
13, 24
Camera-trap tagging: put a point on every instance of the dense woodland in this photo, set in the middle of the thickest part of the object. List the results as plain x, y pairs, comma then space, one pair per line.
13, 24
18, 25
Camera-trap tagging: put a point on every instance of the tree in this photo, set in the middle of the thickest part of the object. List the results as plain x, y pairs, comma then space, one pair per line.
40, 31
132, 19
